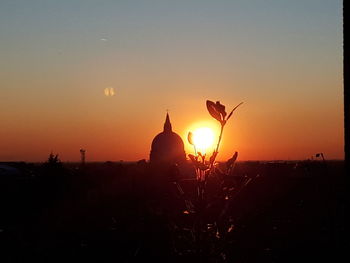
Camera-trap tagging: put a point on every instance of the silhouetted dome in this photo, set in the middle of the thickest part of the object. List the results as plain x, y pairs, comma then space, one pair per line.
167, 146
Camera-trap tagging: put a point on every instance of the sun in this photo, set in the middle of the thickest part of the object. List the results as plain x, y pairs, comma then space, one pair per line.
203, 138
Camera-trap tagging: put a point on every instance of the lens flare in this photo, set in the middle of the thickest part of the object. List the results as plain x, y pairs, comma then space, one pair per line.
109, 91
203, 138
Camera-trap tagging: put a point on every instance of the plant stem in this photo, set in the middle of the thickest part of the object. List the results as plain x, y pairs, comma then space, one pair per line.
217, 146
222, 130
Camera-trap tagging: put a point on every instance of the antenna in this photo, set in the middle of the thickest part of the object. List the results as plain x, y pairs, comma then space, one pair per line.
82, 156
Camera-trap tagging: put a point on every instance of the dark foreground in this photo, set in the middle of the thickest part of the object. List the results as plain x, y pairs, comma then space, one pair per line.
114, 212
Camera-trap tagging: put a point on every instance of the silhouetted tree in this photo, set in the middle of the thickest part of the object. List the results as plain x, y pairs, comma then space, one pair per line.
53, 162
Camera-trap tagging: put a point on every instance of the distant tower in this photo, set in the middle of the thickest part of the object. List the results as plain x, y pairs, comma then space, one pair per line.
167, 147
82, 156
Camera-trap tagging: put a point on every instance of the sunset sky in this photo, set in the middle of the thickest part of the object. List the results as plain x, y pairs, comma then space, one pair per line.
282, 58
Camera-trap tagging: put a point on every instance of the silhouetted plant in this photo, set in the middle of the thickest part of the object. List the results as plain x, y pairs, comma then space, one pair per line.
217, 110
203, 167
206, 169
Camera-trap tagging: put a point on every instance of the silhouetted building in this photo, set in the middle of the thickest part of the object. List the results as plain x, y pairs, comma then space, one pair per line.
167, 147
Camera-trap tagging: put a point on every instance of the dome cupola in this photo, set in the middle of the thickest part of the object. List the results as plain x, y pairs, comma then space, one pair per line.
167, 147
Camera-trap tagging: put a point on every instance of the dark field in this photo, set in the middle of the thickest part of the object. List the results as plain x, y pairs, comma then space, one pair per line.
131, 212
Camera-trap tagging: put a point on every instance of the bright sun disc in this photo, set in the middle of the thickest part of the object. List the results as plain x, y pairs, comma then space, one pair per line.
203, 138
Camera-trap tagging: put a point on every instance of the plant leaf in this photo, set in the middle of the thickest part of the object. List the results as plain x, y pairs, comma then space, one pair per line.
221, 109
211, 106
202, 166
193, 158
190, 138
233, 111
213, 156
232, 160
198, 164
